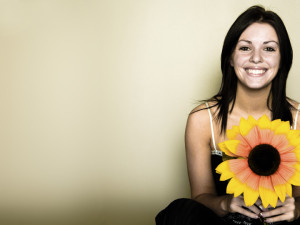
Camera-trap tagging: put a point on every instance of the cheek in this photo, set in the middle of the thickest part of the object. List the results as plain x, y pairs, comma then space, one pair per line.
238, 60
273, 62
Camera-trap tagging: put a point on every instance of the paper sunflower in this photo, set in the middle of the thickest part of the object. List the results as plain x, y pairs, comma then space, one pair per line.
266, 160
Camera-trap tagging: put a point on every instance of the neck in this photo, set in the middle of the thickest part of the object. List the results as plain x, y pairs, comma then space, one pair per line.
252, 102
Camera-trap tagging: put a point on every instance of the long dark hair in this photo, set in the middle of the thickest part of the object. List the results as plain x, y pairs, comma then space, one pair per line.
277, 100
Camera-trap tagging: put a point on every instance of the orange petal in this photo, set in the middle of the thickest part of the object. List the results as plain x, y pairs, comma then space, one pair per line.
288, 157
266, 182
267, 192
237, 165
286, 149
244, 174
286, 170
277, 179
253, 137
253, 181
279, 184
279, 141
266, 136
243, 149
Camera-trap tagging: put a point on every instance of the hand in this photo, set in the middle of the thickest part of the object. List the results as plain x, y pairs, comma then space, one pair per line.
238, 205
283, 211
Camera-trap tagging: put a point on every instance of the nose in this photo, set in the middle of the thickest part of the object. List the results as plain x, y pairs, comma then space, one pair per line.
256, 56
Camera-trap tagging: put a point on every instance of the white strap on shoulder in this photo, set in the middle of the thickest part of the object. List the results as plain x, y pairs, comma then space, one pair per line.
296, 117
211, 127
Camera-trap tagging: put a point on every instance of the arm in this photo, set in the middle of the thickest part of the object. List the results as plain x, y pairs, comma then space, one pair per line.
198, 152
197, 139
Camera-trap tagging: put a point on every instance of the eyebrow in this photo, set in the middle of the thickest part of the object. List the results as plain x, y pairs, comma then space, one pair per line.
266, 42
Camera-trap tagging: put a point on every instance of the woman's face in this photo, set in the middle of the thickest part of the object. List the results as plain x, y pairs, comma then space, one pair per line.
256, 58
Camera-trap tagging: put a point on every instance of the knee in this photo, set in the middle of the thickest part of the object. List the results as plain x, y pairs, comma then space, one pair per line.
178, 205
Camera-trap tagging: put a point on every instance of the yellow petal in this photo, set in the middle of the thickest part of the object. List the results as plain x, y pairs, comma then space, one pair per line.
233, 132
235, 187
275, 124
297, 167
224, 169
281, 191
268, 197
246, 126
224, 149
297, 152
293, 134
229, 147
289, 189
295, 179
283, 128
250, 196
264, 122
293, 138
251, 121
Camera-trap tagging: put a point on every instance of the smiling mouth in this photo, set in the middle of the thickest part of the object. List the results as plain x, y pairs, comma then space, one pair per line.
255, 71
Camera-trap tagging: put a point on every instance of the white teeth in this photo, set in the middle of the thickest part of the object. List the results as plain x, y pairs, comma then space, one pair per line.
255, 71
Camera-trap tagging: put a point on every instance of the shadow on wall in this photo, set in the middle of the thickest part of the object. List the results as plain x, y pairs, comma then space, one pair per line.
140, 210
125, 213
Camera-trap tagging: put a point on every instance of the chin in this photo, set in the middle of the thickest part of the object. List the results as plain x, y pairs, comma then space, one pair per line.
256, 86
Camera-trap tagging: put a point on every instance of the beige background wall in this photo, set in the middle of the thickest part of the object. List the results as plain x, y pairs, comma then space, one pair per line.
94, 99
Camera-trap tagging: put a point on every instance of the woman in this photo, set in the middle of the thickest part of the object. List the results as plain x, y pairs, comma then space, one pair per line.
255, 62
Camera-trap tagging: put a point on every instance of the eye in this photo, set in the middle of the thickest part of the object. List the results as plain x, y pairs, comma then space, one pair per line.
244, 48
270, 49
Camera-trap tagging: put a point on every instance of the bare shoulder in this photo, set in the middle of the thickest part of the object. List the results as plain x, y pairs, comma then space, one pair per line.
295, 111
203, 107
198, 123
199, 115
294, 103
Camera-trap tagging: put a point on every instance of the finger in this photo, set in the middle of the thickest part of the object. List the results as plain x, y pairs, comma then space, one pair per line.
287, 200
282, 217
274, 212
238, 201
245, 212
286, 212
254, 209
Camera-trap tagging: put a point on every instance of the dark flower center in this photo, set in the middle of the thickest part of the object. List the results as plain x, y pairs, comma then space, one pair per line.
264, 160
